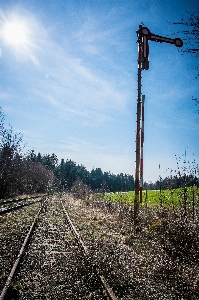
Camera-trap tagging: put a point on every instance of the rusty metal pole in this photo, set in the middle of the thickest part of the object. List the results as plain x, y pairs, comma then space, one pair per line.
137, 162
144, 35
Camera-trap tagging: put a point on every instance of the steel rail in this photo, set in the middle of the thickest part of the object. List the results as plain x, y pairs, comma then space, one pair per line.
108, 290
80, 241
15, 265
20, 199
3, 212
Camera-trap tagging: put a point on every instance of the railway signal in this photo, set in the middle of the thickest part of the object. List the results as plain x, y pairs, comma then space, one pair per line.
144, 36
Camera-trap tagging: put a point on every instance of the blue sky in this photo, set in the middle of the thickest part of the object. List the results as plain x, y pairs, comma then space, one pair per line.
70, 85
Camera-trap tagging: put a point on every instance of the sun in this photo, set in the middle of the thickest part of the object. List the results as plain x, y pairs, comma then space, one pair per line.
15, 33
21, 34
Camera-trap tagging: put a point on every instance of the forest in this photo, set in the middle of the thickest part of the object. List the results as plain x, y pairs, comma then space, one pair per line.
25, 172
174, 181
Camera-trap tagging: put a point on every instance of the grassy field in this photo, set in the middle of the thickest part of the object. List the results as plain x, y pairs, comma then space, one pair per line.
167, 198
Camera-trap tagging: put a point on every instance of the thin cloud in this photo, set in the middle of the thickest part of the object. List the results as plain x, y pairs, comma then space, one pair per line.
73, 84
88, 153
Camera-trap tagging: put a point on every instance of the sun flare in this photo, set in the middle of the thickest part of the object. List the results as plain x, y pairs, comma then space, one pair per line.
21, 34
15, 33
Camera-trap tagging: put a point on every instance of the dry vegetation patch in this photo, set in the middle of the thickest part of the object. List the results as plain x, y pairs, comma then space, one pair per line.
158, 261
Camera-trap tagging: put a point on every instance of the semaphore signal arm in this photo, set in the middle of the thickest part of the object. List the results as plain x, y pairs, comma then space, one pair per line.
144, 35
158, 38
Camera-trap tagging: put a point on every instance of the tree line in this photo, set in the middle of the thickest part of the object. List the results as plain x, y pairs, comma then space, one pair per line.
173, 182
67, 172
27, 172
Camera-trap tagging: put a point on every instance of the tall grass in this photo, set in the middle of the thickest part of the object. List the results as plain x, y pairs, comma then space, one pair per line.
167, 198
184, 198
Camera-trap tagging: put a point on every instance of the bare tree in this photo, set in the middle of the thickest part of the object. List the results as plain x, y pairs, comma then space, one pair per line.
189, 28
10, 150
18, 174
80, 190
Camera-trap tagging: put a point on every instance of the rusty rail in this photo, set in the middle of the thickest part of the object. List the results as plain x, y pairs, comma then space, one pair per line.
3, 212
12, 272
80, 241
8, 201
108, 290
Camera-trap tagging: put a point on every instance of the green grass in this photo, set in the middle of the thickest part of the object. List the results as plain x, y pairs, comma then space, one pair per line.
167, 198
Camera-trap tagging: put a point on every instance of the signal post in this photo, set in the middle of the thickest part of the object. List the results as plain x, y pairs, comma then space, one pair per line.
144, 35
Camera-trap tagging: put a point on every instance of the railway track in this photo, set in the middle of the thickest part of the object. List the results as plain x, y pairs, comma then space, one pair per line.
107, 289
58, 258
7, 206
8, 201
21, 252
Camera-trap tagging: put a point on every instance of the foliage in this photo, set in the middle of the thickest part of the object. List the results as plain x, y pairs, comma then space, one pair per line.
30, 172
67, 173
48, 161
189, 27
173, 182
19, 173
80, 190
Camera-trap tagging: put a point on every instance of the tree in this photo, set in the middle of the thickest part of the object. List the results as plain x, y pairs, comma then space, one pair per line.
96, 179
39, 157
80, 190
32, 156
21, 173
191, 35
189, 27
10, 152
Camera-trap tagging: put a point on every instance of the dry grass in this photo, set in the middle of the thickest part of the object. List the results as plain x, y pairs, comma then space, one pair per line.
158, 261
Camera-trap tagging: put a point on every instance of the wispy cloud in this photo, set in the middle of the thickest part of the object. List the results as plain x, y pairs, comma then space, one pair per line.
88, 153
95, 35
67, 81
